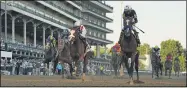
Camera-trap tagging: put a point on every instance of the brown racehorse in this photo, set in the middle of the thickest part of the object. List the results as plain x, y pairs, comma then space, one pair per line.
78, 49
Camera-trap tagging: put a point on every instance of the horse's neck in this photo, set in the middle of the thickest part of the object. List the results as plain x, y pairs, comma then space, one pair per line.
65, 49
79, 44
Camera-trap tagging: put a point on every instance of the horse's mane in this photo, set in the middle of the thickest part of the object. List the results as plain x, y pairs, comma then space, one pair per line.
74, 28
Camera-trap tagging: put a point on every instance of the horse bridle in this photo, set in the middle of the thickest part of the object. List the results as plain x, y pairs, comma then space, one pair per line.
72, 35
127, 25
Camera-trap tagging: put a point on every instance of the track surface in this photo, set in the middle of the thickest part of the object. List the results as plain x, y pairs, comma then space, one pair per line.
90, 81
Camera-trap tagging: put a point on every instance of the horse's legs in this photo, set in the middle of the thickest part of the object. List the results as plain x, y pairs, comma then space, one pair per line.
54, 65
69, 61
178, 71
136, 68
157, 71
77, 69
84, 67
115, 69
47, 68
131, 69
165, 71
121, 69
152, 71
161, 70
63, 70
133, 55
71, 69
124, 58
170, 72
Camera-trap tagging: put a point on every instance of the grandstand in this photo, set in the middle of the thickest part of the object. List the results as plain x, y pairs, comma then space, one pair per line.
29, 23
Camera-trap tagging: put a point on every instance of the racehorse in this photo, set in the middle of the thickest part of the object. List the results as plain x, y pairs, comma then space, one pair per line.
116, 59
168, 64
50, 56
156, 62
78, 53
64, 55
128, 45
177, 66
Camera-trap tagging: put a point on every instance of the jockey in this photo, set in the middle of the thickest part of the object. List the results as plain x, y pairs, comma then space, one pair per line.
82, 31
50, 40
169, 57
129, 12
116, 48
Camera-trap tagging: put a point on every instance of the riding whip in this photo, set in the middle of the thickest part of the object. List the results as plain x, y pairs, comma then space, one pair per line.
139, 29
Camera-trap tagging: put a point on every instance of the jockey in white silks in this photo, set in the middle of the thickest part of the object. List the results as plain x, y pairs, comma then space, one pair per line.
82, 31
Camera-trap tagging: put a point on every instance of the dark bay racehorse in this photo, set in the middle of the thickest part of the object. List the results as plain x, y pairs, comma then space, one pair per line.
128, 48
177, 66
156, 62
168, 65
116, 60
64, 55
78, 49
50, 56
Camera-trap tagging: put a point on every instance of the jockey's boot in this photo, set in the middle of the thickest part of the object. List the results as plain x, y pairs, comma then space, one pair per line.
88, 48
121, 35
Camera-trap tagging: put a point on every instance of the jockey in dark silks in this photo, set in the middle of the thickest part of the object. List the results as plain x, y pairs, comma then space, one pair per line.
50, 40
129, 12
82, 31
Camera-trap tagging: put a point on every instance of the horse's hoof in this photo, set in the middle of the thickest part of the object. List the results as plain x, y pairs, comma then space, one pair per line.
83, 77
131, 83
137, 80
82, 80
63, 77
73, 77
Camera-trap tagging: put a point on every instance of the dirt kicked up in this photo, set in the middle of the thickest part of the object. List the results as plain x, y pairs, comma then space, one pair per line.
90, 81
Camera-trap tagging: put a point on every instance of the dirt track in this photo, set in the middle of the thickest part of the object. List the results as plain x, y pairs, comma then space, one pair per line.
90, 81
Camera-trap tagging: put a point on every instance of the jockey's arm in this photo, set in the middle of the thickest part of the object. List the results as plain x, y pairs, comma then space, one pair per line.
135, 16
123, 16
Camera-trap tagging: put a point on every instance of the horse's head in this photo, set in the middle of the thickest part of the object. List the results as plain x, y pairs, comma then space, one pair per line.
128, 26
73, 34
